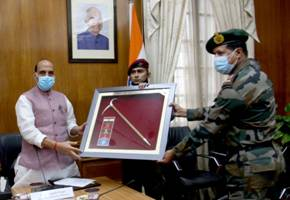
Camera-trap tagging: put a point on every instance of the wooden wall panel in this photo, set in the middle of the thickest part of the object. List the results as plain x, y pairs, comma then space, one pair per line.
273, 25
35, 29
286, 45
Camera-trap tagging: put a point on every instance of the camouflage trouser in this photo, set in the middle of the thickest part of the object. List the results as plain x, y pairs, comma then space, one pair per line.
252, 172
251, 188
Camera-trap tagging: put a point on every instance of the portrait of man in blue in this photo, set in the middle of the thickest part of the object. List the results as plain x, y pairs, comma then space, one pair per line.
91, 38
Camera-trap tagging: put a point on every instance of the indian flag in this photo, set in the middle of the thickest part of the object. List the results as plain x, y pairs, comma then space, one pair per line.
136, 50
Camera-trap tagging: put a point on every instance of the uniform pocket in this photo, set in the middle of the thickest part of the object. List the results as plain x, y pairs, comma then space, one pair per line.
259, 160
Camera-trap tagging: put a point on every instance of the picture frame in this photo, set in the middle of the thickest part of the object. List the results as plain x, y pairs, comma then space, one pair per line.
128, 122
92, 31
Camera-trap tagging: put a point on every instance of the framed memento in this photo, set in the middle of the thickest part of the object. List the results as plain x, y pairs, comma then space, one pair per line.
128, 122
92, 31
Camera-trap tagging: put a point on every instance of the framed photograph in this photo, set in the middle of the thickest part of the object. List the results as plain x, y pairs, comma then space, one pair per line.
128, 122
92, 31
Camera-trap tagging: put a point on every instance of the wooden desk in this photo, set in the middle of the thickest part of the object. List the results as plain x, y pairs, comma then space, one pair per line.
124, 193
95, 167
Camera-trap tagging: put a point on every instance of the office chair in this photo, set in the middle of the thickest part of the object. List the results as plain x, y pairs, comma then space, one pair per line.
182, 177
191, 183
191, 180
199, 179
170, 174
10, 147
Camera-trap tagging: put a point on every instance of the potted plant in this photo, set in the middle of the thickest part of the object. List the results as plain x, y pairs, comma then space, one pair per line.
282, 137
282, 132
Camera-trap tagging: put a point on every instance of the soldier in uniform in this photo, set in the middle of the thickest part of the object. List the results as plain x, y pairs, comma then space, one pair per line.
147, 174
142, 173
244, 112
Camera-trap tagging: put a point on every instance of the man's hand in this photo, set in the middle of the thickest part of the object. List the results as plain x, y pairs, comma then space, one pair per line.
168, 157
178, 111
68, 149
143, 85
78, 130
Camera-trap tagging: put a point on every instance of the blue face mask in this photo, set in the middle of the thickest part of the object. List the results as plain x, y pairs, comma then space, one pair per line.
45, 83
222, 64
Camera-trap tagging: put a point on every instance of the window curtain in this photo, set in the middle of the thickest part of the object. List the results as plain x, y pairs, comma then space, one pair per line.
163, 27
200, 82
197, 81
236, 14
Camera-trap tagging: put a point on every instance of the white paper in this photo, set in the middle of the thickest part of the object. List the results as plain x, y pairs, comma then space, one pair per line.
54, 194
75, 182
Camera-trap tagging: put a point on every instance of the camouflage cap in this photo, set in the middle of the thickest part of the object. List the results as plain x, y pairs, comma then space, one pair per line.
138, 63
226, 37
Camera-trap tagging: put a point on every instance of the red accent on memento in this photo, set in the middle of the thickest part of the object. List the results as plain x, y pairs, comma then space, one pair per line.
142, 110
106, 131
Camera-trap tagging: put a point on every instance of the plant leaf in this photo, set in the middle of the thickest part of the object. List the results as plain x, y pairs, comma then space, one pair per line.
287, 108
286, 139
277, 135
287, 118
279, 125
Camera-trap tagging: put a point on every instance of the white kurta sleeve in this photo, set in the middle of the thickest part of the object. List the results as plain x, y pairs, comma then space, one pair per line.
26, 122
71, 119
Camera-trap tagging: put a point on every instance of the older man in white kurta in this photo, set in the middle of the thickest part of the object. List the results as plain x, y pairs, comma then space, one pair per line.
46, 120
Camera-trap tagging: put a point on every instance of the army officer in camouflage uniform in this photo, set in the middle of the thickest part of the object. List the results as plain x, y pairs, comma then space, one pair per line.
244, 112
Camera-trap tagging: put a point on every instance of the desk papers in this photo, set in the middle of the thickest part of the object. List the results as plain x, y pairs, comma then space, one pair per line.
74, 182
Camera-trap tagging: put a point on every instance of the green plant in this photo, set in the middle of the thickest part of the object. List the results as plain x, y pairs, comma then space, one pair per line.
282, 132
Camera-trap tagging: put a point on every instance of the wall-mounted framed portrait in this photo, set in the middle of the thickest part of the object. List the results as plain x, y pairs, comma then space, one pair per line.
92, 31
128, 122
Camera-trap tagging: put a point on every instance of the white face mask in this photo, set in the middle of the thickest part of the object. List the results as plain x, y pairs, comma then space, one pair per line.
222, 65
